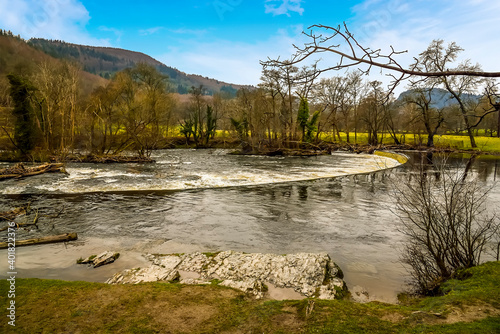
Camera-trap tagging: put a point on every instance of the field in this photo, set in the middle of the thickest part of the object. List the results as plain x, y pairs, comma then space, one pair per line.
485, 144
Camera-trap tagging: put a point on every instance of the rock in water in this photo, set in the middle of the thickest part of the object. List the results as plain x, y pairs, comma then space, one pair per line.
311, 275
101, 259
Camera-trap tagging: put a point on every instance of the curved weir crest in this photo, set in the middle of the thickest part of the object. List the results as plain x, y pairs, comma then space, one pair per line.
191, 169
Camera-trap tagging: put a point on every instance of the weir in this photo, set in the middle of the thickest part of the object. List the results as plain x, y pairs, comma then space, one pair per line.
191, 169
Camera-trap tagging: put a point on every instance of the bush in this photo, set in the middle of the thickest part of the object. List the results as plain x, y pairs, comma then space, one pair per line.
443, 216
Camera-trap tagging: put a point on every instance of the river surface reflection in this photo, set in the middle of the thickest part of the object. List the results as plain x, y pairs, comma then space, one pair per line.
350, 217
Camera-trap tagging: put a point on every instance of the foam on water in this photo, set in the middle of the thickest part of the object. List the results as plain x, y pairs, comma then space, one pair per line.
189, 171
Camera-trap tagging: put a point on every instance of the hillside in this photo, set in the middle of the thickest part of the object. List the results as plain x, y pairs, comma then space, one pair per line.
441, 98
106, 61
17, 56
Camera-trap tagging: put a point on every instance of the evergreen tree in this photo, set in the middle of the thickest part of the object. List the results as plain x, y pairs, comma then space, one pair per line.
24, 129
303, 116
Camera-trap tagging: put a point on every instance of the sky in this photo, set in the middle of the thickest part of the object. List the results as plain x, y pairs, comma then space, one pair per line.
226, 39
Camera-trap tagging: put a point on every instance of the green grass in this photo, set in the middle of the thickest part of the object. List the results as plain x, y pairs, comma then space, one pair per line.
471, 305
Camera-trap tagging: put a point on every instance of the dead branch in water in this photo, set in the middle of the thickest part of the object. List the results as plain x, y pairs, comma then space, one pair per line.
29, 220
12, 214
20, 170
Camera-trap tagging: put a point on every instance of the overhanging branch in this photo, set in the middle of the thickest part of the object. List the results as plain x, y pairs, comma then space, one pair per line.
359, 55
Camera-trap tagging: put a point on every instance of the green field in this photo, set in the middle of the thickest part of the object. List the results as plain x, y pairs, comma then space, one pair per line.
462, 142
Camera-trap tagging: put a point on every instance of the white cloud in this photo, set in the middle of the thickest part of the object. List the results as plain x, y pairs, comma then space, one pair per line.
229, 61
150, 31
51, 19
284, 8
194, 32
118, 33
412, 25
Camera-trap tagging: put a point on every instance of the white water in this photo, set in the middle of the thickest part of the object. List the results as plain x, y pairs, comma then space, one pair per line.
181, 170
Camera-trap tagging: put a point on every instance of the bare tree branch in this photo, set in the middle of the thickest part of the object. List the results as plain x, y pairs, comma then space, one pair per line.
360, 55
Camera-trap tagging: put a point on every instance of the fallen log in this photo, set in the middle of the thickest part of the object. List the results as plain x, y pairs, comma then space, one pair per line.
44, 240
19, 171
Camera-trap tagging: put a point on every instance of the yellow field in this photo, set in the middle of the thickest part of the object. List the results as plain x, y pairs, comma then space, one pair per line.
486, 144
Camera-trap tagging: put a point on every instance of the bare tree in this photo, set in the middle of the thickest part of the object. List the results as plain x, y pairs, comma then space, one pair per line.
373, 112
432, 118
334, 40
494, 102
444, 217
438, 58
56, 104
273, 87
201, 121
329, 94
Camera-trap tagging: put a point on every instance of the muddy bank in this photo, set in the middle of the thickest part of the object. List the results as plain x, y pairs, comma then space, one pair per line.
59, 261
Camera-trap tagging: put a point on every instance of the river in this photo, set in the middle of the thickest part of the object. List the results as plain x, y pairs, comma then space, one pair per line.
208, 200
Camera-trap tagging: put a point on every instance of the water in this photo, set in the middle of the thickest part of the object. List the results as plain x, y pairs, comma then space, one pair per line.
195, 169
210, 201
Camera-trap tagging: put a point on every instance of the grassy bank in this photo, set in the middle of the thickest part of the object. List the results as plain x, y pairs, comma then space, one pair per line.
227, 140
471, 305
484, 143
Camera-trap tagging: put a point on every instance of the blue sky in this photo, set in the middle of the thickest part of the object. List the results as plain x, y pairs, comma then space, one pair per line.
225, 39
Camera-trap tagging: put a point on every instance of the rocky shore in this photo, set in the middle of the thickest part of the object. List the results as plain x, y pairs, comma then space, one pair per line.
292, 276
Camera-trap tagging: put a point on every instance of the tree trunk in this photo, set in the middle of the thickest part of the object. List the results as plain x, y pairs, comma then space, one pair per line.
430, 140
498, 124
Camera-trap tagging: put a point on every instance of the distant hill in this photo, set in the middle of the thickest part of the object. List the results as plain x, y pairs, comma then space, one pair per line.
441, 98
105, 62
17, 56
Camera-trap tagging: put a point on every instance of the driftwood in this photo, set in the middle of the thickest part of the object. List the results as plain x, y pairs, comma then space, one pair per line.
12, 214
7, 216
44, 240
20, 171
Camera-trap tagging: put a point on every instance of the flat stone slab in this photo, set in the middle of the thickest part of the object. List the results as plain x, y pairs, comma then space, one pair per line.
101, 259
309, 274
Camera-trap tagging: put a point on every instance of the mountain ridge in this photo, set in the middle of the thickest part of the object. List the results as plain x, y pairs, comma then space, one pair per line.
440, 98
106, 61
17, 56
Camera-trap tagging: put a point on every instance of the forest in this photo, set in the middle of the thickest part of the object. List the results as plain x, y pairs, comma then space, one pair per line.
51, 106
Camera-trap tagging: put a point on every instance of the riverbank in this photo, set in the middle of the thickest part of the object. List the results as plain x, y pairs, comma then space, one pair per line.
348, 217
444, 144
471, 304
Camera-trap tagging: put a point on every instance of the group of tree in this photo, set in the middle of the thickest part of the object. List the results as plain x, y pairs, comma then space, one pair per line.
45, 108
49, 112
350, 104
